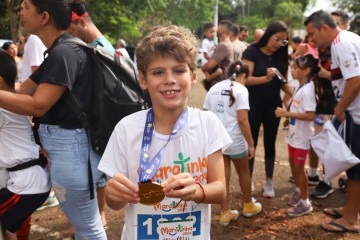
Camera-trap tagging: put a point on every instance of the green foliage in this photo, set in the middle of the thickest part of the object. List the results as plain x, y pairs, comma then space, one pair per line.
131, 19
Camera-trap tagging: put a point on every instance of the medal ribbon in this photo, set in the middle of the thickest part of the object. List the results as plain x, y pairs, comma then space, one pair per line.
148, 167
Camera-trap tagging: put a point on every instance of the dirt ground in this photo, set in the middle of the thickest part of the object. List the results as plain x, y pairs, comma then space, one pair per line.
273, 223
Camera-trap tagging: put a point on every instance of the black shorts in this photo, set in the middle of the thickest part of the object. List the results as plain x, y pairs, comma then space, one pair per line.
15, 209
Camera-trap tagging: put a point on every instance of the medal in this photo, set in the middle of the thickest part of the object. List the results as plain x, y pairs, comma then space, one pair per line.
286, 122
150, 193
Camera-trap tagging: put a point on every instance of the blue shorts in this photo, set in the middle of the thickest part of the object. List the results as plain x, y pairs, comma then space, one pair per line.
354, 172
238, 156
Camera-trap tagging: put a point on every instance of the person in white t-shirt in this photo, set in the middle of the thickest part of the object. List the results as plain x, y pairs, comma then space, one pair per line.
33, 56
229, 101
345, 79
301, 113
208, 44
27, 186
173, 148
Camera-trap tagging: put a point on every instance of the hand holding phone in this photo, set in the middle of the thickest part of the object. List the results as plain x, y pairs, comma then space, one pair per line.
280, 76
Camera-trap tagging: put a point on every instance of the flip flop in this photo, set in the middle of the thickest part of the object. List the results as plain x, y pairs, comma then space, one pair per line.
332, 212
341, 228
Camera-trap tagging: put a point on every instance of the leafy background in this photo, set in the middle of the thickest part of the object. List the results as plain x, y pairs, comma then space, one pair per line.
132, 19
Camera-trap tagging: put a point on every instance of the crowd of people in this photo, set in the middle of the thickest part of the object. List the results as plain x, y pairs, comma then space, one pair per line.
151, 164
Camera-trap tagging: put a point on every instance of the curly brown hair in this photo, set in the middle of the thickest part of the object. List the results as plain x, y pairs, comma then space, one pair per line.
172, 40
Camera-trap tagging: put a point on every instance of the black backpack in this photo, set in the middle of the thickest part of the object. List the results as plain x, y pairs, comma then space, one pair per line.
116, 93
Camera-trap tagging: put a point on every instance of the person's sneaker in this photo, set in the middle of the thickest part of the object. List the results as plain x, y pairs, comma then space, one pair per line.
268, 190
295, 198
322, 190
291, 179
51, 201
228, 216
313, 181
251, 209
299, 210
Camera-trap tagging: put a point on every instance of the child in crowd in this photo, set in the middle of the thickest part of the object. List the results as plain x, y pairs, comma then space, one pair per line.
208, 47
28, 182
208, 44
229, 100
301, 113
167, 158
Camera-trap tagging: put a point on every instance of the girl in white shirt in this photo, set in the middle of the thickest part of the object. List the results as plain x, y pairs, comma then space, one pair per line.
301, 113
229, 100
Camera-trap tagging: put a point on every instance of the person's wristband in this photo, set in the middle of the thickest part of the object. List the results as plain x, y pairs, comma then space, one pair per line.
203, 191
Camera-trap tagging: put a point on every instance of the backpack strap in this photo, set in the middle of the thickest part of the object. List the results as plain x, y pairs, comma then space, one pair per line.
41, 161
75, 105
73, 102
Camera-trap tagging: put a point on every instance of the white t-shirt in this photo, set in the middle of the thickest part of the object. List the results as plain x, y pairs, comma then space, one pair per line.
345, 64
33, 56
17, 145
300, 131
123, 52
217, 100
207, 46
201, 136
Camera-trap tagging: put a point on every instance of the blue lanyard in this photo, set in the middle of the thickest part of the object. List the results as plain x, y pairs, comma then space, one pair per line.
292, 98
148, 167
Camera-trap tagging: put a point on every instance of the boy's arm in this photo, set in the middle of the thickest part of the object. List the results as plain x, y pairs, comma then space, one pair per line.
215, 190
120, 191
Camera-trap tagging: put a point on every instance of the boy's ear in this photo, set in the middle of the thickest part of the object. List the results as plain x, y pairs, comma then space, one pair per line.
142, 81
1, 82
193, 78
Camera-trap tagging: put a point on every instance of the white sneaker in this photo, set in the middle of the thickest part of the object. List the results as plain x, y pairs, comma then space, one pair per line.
268, 189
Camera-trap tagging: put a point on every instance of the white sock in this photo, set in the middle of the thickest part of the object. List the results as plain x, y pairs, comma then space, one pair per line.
305, 202
312, 172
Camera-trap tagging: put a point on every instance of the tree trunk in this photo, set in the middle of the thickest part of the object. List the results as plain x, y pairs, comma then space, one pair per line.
13, 21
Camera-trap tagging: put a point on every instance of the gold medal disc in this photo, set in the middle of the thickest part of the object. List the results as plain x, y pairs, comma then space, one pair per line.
286, 123
150, 193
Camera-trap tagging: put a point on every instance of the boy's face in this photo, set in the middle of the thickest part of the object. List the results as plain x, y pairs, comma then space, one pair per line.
210, 33
169, 82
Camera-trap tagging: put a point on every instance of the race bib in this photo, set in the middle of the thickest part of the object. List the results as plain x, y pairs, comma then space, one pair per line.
169, 220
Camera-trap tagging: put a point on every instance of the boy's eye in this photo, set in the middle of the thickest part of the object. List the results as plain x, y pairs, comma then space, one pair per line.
180, 70
157, 72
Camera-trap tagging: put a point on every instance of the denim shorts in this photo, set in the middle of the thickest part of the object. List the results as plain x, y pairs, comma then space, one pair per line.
68, 151
354, 172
